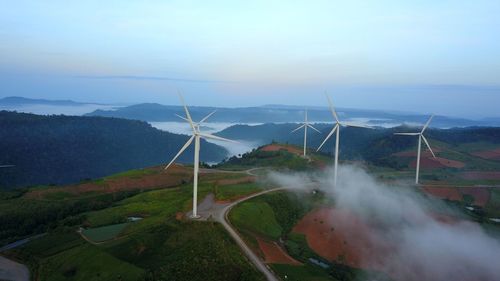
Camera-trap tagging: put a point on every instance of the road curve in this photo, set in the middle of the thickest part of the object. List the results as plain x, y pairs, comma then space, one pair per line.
223, 219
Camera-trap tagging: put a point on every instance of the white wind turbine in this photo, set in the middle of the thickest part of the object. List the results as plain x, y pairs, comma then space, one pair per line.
420, 138
305, 125
197, 135
336, 128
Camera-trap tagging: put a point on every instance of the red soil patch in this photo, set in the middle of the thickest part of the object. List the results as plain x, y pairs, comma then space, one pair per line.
449, 193
481, 194
438, 162
339, 235
275, 254
477, 175
277, 147
493, 154
162, 179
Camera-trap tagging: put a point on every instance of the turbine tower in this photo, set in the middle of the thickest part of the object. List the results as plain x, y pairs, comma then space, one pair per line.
197, 135
336, 128
420, 138
305, 125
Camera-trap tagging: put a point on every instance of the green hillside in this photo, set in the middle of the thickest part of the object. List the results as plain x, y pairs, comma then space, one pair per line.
67, 149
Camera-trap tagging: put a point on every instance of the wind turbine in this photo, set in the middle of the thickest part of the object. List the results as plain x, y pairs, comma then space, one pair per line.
305, 125
420, 138
336, 128
197, 135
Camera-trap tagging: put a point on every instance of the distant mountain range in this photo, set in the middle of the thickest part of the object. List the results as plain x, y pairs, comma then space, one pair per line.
67, 149
153, 112
19, 101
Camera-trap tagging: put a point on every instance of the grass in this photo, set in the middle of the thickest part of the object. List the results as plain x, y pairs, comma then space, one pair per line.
257, 217
87, 262
133, 174
104, 233
229, 192
181, 250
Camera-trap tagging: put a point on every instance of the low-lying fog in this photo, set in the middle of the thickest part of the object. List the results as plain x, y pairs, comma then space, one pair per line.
211, 128
422, 246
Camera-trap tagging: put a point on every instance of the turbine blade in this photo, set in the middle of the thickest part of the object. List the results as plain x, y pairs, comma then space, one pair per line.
183, 118
327, 137
190, 120
305, 113
332, 109
6, 166
301, 126
209, 136
427, 124
311, 126
407, 134
180, 151
348, 124
206, 117
428, 145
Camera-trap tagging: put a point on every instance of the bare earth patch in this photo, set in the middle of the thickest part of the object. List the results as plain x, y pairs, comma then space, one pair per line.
481, 194
438, 162
275, 254
277, 147
493, 154
158, 179
448, 193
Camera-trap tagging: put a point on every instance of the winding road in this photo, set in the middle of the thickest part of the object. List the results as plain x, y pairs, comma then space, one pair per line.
209, 209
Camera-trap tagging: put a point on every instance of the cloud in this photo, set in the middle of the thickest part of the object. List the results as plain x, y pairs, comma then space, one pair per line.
421, 245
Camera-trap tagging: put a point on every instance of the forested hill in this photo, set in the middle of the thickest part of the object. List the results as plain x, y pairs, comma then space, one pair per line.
367, 144
66, 149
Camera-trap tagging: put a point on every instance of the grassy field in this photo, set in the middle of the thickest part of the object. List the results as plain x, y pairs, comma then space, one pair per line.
258, 217
233, 191
104, 233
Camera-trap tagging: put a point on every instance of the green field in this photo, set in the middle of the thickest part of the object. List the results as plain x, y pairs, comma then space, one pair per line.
104, 233
258, 217
228, 192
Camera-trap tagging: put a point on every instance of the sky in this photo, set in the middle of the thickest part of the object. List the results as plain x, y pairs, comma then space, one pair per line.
421, 56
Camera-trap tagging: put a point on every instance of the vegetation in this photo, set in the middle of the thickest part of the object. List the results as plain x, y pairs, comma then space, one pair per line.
67, 149
281, 159
104, 233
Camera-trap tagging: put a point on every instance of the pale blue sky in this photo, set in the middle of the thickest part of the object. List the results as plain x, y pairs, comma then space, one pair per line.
368, 54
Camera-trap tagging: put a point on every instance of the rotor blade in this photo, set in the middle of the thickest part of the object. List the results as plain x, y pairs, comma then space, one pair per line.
183, 118
332, 109
301, 126
348, 124
427, 124
209, 136
327, 137
206, 117
305, 113
311, 126
6, 166
190, 120
428, 146
407, 134
180, 151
